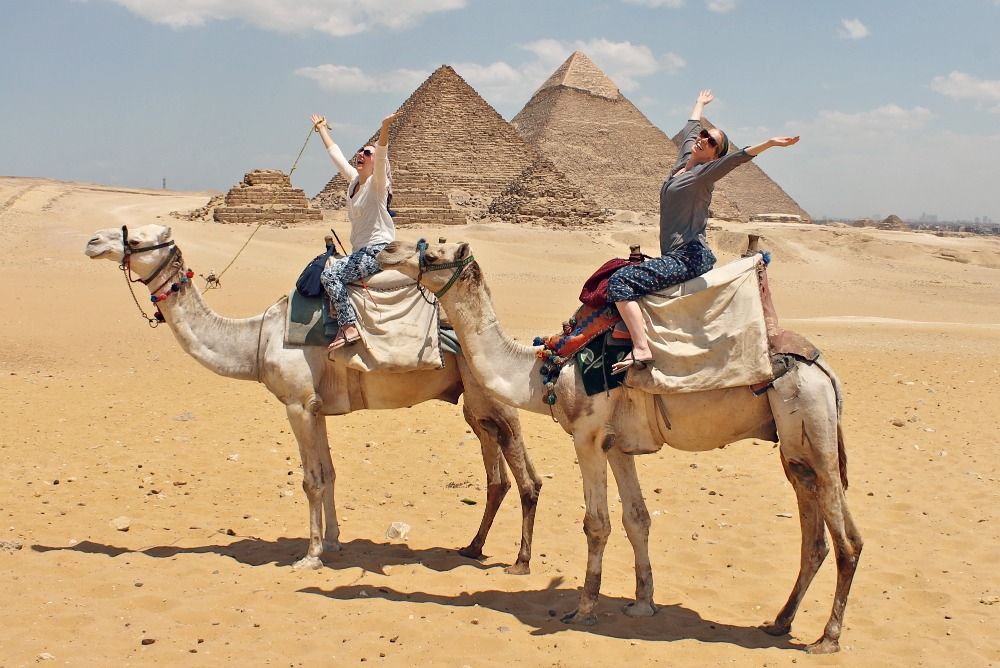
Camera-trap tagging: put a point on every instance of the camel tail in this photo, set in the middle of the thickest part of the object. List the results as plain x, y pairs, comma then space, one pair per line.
838, 391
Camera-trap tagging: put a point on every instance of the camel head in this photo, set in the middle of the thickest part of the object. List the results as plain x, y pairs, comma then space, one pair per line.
437, 267
148, 247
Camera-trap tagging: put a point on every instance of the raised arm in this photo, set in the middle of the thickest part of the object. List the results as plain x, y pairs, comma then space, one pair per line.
336, 155
383, 135
771, 143
704, 97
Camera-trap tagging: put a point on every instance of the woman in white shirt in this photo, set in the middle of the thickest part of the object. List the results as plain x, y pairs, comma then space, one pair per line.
371, 224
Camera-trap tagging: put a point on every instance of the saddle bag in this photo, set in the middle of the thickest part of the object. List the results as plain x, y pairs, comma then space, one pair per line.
308, 283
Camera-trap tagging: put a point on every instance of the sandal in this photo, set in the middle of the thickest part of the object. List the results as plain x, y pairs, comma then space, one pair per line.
630, 362
341, 340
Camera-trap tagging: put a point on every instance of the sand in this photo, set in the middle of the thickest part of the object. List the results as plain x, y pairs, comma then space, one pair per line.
104, 418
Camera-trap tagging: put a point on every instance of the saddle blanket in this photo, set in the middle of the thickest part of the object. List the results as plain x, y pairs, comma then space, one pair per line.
707, 333
399, 328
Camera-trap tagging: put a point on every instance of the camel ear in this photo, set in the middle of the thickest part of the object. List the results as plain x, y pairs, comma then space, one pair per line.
464, 251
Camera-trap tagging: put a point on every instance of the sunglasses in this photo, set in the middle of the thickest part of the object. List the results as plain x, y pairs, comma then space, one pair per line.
369, 152
711, 140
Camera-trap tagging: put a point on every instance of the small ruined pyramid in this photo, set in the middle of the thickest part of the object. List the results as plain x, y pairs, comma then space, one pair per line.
753, 191
451, 154
265, 195
580, 120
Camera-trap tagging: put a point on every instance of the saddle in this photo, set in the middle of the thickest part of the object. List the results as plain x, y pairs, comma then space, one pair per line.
399, 327
715, 331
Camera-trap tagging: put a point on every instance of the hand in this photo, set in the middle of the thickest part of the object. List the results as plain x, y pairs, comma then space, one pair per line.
784, 141
318, 121
391, 117
705, 96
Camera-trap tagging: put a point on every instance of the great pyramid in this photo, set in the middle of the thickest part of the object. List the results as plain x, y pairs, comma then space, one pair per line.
580, 120
753, 191
452, 153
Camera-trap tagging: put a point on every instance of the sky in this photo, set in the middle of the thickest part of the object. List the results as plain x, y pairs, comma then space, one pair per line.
897, 102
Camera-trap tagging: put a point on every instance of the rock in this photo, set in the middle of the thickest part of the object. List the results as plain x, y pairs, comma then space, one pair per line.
898, 422
397, 530
122, 523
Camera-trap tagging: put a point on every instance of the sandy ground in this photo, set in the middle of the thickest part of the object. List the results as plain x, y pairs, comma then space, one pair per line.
105, 418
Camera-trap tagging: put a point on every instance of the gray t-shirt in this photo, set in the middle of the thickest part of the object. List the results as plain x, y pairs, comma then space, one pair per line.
684, 199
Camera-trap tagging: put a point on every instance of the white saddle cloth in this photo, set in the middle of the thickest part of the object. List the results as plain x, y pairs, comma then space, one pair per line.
707, 333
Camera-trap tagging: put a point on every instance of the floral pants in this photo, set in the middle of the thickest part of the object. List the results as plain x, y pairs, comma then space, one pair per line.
679, 265
345, 270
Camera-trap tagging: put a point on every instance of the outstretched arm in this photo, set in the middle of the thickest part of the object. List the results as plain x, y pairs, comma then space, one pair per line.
383, 135
770, 143
705, 97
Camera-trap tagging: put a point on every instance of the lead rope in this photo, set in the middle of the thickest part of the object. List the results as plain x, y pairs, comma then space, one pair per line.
211, 284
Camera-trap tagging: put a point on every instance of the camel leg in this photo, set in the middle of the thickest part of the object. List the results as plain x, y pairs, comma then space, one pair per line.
636, 519
813, 550
497, 483
847, 545
499, 430
596, 524
318, 477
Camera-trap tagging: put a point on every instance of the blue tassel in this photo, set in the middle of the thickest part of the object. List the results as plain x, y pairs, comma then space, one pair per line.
767, 257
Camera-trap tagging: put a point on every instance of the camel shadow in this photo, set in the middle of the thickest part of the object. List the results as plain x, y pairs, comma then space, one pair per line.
359, 553
541, 610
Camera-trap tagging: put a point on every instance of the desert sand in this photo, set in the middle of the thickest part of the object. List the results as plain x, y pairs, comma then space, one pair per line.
104, 418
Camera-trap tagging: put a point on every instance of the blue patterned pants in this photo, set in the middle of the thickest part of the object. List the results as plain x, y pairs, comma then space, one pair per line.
679, 265
345, 270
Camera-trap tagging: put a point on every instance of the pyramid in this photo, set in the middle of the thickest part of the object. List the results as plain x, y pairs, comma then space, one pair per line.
580, 121
753, 191
449, 148
266, 195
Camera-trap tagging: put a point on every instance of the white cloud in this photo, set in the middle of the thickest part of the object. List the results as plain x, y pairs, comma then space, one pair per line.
334, 17
853, 29
342, 79
673, 4
887, 118
721, 6
962, 86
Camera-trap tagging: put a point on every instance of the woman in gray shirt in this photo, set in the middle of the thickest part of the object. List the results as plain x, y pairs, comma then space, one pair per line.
684, 201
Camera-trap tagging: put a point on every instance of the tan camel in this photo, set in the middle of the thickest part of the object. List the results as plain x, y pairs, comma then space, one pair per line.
312, 387
803, 410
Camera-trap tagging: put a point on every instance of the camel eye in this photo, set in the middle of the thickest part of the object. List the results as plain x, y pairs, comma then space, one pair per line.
133, 242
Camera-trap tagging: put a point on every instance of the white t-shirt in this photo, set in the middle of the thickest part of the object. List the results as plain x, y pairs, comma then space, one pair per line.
367, 211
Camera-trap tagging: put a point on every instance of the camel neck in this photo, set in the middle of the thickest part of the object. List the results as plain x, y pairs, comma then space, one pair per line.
499, 363
225, 346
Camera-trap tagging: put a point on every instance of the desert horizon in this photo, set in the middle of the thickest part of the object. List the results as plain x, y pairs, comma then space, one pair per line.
154, 509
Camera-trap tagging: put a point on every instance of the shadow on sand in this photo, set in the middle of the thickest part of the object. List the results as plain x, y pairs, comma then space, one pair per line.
539, 609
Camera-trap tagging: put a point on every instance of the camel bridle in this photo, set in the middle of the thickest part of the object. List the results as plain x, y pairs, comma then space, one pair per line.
424, 267
126, 267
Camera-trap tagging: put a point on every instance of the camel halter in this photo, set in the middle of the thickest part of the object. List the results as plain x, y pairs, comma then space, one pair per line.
457, 266
126, 267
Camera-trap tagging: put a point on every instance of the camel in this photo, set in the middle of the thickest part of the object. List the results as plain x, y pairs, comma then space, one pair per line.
312, 386
802, 412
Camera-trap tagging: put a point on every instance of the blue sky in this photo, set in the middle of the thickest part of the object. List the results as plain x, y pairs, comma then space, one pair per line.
897, 101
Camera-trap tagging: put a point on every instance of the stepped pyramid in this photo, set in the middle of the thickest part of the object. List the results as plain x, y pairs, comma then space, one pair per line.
265, 195
450, 151
580, 120
753, 191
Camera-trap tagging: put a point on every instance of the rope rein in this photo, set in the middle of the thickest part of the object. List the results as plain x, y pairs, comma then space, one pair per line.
216, 284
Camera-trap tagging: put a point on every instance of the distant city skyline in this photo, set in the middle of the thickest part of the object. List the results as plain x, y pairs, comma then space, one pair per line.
897, 103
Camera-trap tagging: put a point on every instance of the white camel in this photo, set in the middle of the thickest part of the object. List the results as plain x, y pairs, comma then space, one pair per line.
804, 412
311, 387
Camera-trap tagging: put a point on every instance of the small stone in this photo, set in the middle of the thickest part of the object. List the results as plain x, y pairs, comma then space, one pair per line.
45, 656
898, 422
694, 536
148, 641
120, 523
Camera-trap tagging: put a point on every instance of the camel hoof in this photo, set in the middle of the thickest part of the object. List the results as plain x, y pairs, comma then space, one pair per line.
331, 546
308, 563
520, 568
824, 646
775, 629
471, 552
638, 609
576, 619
